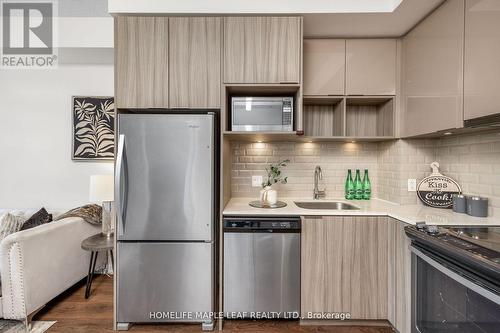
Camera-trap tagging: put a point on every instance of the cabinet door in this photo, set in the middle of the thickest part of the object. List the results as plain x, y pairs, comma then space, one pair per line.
399, 277
313, 264
262, 49
195, 56
370, 67
363, 277
324, 66
433, 72
482, 58
141, 62
344, 266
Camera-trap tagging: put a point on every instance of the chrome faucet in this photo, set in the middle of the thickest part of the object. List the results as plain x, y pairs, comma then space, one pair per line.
318, 175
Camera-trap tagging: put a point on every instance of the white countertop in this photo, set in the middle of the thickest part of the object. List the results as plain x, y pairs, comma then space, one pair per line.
375, 207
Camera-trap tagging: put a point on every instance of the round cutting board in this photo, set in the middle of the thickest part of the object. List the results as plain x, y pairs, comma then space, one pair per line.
437, 190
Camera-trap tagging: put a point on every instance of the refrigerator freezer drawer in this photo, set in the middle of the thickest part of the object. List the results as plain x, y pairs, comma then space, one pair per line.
156, 280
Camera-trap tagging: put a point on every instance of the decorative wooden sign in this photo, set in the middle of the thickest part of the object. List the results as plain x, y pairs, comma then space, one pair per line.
437, 190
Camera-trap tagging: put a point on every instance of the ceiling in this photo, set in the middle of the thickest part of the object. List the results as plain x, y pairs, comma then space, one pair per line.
250, 7
392, 24
322, 18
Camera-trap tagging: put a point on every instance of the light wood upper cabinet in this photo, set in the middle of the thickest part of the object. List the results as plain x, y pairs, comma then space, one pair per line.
324, 66
433, 71
482, 58
195, 62
141, 62
345, 266
371, 67
262, 49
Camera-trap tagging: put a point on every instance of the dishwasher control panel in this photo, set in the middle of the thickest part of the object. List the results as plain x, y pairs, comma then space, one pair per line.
242, 224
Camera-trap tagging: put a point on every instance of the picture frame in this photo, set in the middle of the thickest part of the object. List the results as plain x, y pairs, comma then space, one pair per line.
93, 128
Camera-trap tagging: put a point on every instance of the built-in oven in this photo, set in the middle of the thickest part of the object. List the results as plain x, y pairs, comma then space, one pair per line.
455, 282
265, 113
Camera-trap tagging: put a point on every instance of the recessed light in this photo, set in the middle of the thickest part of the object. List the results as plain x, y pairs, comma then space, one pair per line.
353, 141
447, 133
310, 141
259, 141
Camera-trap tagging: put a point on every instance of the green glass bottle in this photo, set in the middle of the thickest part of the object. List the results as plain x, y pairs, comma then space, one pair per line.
349, 186
367, 187
358, 186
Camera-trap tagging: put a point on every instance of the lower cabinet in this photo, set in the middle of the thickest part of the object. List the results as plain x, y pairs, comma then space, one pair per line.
399, 277
344, 266
358, 266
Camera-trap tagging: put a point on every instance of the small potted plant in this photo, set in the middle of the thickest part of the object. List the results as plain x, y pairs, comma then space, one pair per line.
267, 194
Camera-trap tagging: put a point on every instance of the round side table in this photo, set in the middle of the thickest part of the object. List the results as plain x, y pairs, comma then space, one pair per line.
95, 244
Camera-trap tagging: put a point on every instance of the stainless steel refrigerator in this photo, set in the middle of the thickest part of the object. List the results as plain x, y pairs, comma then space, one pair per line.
165, 196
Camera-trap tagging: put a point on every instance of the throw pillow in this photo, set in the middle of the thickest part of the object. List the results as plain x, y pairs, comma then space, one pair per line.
10, 224
39, 218
90, 213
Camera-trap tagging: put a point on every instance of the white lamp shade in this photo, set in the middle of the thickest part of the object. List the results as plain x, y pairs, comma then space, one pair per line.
101, 188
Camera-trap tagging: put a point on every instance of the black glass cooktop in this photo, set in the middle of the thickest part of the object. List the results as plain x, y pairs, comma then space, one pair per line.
465, 243
486, 237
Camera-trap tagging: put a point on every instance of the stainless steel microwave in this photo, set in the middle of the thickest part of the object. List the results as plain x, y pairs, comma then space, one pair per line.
262, 114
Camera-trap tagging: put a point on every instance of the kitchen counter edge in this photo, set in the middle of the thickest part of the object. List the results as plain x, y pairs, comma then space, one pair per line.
410, 214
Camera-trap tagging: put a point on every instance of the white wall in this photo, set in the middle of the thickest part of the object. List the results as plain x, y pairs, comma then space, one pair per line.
35, 135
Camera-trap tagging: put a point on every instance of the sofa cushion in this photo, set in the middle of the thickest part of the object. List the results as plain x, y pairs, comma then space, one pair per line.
10, 223
37, 219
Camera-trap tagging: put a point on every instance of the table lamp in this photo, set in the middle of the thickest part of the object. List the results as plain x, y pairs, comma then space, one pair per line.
102, 191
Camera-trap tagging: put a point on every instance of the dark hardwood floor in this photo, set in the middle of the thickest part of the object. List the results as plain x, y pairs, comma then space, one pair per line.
75, 314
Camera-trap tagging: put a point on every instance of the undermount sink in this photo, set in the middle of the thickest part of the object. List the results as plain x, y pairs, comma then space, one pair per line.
336, 205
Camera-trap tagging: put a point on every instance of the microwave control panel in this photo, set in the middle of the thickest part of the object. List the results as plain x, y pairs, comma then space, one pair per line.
287, 110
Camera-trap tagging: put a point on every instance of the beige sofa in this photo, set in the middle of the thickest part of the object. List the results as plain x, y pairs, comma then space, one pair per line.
40, 263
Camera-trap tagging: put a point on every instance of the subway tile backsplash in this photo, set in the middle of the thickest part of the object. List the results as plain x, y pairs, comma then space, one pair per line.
333, 157
473, 160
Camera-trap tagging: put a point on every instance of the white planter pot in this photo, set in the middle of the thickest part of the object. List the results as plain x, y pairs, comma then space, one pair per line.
268, 196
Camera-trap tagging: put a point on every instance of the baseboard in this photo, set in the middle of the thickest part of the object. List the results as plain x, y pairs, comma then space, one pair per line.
347, 322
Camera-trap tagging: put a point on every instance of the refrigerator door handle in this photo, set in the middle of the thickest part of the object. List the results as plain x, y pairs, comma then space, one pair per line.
120, 183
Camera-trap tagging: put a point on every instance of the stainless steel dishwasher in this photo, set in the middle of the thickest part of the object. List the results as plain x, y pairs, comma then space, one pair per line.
261, 266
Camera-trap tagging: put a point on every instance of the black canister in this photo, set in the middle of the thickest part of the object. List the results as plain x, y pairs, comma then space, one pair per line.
477, 206
459, 203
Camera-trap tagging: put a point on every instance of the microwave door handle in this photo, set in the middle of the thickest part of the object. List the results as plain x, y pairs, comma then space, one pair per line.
257, 102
